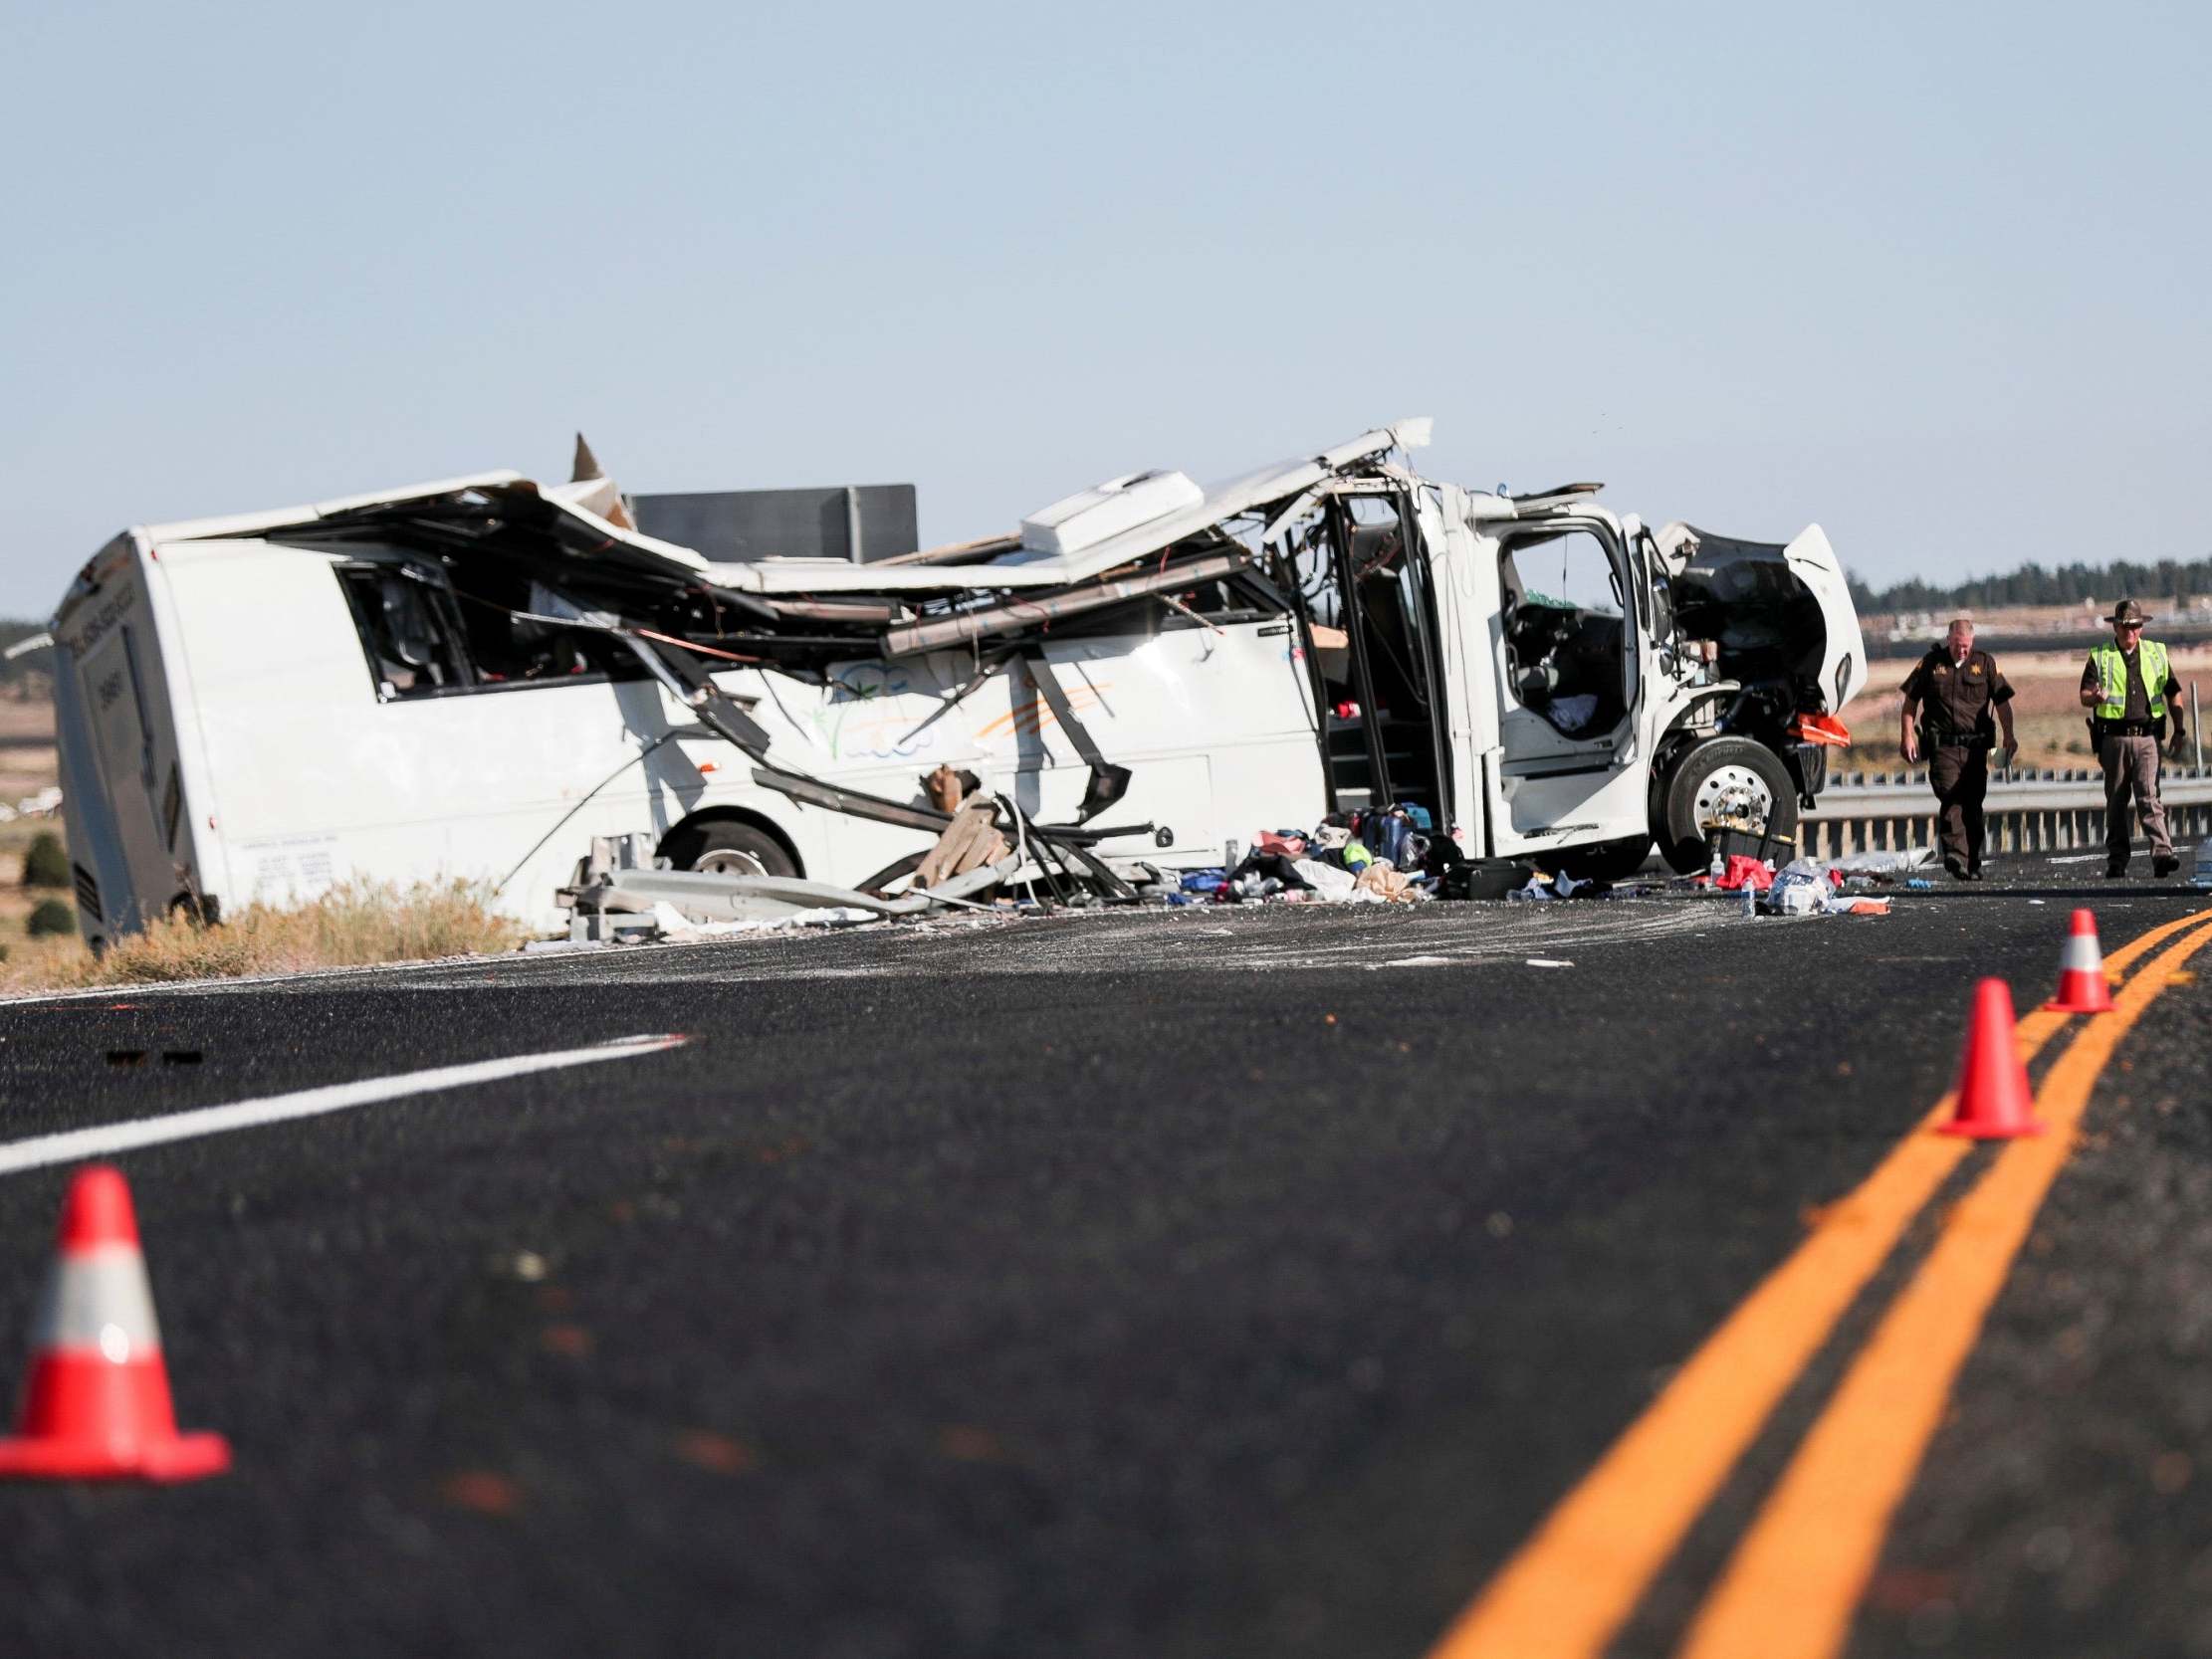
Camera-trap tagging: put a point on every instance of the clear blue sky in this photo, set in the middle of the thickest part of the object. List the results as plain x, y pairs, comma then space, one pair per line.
1936, 277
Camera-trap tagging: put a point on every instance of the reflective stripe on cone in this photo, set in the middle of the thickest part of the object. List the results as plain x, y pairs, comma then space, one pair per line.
2083, 987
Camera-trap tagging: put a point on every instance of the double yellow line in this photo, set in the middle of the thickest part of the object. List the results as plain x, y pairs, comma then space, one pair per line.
1796, 1577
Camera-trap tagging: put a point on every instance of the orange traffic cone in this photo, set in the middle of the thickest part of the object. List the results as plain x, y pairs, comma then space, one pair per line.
2082, 989
1994, 1102
96, 1405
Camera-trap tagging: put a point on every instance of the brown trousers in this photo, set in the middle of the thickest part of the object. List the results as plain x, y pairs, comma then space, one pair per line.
1959, 775
2132, 768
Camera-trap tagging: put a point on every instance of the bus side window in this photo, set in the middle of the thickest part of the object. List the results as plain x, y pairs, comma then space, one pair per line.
513, 632
406, 634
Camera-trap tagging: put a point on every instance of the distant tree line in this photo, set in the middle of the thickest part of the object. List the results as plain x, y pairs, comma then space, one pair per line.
2034, 584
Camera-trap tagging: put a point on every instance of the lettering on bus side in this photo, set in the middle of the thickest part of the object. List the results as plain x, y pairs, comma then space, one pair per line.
101, 622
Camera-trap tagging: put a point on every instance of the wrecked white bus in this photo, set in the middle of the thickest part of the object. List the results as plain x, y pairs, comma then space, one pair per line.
472, 678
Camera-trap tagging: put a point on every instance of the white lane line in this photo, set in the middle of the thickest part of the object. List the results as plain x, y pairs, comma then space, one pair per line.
106, 1140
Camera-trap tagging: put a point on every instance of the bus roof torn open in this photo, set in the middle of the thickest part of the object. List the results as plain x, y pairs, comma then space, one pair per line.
463, 678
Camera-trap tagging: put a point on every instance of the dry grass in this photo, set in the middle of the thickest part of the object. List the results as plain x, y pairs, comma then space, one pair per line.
356, 923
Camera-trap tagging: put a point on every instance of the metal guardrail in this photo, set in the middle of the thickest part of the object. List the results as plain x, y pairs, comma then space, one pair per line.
2037, 811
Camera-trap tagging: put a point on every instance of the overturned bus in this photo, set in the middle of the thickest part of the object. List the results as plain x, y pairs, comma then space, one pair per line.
471, 679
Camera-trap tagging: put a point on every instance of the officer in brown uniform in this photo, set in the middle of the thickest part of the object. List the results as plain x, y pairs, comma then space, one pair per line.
1961, 700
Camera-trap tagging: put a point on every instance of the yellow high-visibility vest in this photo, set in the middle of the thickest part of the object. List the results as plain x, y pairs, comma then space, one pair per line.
2111, 678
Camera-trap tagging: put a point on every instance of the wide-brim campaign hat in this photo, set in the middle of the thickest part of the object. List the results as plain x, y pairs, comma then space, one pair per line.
2128, 612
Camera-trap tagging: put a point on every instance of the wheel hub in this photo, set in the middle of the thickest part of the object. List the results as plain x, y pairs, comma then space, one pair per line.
728, 861
1733, 792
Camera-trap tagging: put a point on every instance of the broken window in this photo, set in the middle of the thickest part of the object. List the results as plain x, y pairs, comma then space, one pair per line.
406, 628
514, 634
424, 638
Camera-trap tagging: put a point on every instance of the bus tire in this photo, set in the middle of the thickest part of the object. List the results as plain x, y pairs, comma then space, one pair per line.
1723, 773
730, 847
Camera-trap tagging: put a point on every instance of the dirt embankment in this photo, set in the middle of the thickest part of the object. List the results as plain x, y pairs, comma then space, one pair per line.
2048, 717
28, 764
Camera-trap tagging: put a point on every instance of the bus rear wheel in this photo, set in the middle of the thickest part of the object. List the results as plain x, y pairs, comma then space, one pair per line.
725, 847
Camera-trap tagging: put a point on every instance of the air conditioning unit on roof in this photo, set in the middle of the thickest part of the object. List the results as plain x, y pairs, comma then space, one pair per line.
1120, 504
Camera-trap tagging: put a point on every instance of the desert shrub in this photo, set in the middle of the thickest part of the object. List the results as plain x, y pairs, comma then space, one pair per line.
50, 917
46, 863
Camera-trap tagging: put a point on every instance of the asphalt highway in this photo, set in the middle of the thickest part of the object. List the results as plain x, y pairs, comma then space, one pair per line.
1209, 1282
